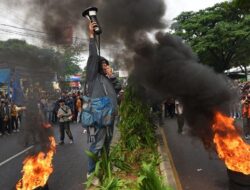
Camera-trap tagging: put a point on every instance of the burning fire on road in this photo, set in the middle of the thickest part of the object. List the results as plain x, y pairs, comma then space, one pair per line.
232, 149
37, 169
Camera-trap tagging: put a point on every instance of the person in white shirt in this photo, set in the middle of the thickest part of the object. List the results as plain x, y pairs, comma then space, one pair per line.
65, 116
179, 115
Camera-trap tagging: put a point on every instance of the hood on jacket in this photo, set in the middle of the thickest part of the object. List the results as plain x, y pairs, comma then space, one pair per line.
100, 63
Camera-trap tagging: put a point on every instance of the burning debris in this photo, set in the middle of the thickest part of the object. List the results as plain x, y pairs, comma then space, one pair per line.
230, 146
37, 169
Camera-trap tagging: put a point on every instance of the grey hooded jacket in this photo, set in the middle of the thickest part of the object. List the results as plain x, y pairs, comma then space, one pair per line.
97, 85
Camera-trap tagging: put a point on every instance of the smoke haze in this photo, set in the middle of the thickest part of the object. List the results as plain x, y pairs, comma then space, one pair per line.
170, 68
166, 67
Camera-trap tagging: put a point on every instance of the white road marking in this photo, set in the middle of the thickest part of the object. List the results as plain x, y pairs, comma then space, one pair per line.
16, 155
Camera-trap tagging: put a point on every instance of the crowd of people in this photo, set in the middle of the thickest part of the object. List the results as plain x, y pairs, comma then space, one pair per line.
10, 116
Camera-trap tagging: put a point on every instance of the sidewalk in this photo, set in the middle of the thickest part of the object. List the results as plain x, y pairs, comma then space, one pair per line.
167, 167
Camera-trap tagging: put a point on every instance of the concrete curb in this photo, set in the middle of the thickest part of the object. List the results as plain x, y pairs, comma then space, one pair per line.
167, 168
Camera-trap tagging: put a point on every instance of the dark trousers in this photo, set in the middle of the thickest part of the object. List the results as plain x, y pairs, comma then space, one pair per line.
180, 122
169, 110
14, 123
1, 126
54, 117
7, 126
64, 126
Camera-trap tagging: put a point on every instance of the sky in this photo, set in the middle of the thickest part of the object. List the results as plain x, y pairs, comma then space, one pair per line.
175, 7
16, 18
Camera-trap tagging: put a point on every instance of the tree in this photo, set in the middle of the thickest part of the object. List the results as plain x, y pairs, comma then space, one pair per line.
243, 4
71, 61
19, 53
220, 35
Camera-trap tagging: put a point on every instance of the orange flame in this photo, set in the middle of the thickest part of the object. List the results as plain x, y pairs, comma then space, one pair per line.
37, 169
230, 146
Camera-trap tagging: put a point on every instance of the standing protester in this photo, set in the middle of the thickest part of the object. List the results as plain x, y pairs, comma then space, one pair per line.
179, 115
64, 115
49, 114
56, 107
107, 71
78, 106
246, 115
97, 86
44, 105
1, 119
170, 107
14, 116
6, 117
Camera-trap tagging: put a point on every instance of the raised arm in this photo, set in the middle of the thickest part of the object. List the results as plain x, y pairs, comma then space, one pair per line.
92, 64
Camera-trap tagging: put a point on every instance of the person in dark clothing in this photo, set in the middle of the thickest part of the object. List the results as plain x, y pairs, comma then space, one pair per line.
6, 118
97, 86
2, 131
107, 71
56, 107
170, 108
31, 120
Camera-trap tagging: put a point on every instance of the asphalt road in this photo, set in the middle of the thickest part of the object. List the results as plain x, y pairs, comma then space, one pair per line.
70, 161
197, 168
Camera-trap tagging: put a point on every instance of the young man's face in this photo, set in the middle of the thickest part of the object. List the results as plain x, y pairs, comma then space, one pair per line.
104, 67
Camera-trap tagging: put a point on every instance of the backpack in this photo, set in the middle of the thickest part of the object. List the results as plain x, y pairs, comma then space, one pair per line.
97, 111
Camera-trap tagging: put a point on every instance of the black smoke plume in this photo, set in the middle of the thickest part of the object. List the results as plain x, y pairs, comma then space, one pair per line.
128, 19
166, 67
120, 19
171, 69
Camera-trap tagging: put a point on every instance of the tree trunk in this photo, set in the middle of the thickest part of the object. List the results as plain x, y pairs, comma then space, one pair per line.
246, 72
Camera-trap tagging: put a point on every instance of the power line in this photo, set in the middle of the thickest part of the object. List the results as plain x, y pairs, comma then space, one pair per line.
30, 30
16, 17
28, 35
40, 37
22, 28
22, 34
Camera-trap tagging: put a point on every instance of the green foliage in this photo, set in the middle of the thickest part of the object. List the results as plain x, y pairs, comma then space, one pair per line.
135, 126
103, 171
219, 34
71, 61
243, 4
112, 183
19, 53
118, 158
149, 178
